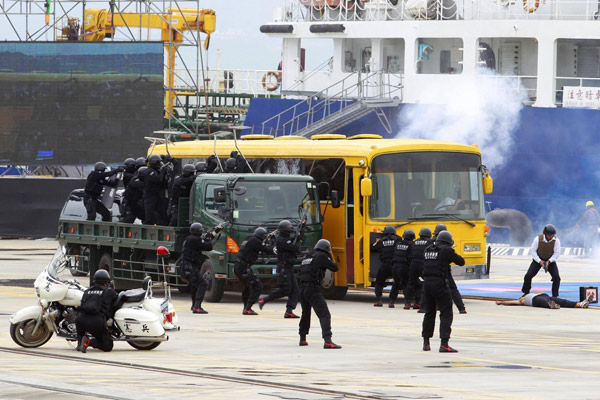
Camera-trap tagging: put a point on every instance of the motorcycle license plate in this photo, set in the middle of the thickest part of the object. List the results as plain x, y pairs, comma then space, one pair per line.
164, 306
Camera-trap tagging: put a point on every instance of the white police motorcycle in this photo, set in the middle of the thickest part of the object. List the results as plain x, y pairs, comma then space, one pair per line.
139, 319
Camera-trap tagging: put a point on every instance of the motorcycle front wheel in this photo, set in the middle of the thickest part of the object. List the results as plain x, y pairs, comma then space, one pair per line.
143, 345
22, 333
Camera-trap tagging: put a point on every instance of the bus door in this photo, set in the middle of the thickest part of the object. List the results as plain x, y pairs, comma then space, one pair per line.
383, 201
350, 228
355, 229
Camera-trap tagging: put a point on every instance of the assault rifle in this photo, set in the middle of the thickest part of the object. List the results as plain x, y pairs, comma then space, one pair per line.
301, 225
270, 235
214, 233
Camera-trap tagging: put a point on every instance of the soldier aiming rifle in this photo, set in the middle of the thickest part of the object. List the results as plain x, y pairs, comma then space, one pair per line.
287, 250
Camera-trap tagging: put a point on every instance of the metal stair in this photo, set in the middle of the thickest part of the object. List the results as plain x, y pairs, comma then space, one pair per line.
322, 113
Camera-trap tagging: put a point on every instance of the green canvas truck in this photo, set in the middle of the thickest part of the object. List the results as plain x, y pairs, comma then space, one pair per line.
240, 202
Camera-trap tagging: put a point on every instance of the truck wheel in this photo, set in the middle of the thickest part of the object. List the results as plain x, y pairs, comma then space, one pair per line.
329, 290
106, 263
184, 289
216, 287
76, 251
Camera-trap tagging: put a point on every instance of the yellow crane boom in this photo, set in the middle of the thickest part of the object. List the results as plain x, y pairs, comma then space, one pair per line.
99, 24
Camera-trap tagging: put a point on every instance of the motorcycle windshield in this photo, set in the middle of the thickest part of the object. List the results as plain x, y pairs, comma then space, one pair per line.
58, 264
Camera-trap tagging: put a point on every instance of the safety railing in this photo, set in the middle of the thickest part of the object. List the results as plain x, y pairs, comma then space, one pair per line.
525, 86
573, 81
354, 88
395, 10
264, 83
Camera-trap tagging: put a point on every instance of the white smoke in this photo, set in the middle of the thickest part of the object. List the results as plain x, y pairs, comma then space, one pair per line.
483, 111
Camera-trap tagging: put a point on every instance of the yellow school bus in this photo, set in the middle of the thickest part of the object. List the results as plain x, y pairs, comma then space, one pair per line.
408, 183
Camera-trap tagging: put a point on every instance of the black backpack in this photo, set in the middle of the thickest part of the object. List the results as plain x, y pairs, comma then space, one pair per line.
91, 302
185, 269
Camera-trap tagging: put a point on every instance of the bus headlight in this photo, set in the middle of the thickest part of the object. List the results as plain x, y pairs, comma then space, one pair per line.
472, 247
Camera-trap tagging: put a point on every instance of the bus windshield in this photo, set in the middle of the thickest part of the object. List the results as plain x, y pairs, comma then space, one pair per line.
269, 202
426, 185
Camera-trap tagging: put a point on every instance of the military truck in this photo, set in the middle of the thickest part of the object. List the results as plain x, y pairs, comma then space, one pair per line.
239, 202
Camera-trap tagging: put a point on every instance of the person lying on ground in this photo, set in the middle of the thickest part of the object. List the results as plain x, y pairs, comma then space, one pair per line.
542, 300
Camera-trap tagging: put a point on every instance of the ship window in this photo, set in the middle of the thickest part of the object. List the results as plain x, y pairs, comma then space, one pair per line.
512, 58
392, 52
439, 56
357, 55
577, 72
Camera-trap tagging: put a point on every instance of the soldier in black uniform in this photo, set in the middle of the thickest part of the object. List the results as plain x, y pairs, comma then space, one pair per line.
414, 286
200, 167
212, 163
192, 260
287, 250
93, 190
456, 296
400, 269
312, 272
230, 165
133, 198
247, 256
438, 257
129, 172
154, 186
96, 307
385, 247
181, 188
140, 162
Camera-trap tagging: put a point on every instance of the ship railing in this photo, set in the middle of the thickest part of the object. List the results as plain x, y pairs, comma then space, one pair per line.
354, 88
398, 10
583, 82
263, 83
524, 85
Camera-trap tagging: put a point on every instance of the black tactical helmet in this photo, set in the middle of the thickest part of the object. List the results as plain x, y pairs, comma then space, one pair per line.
140, 162
409, 234
425, 232
188, 170
323, 245
285, 226
141, 172
200, 166
99, 166
230, 164
129, 163
101, 276
260, 233
444, 238
154, 159
389, 230
549, 230
196, 228
439, 228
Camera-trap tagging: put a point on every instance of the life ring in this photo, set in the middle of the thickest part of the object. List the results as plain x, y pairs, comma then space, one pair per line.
531, 10
266, 81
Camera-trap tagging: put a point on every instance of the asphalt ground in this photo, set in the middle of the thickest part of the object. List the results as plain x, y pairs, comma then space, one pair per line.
504, 352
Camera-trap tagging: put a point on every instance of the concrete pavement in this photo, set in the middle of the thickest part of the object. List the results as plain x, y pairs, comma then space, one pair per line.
505, 352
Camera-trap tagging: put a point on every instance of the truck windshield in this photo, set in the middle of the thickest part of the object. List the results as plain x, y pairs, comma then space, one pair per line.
269, 202
426, 185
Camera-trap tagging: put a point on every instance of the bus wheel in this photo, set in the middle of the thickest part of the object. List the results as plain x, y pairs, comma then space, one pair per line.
215, 287
335, 292
328, 288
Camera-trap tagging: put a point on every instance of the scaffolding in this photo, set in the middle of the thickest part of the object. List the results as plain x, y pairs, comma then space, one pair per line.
63, 20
